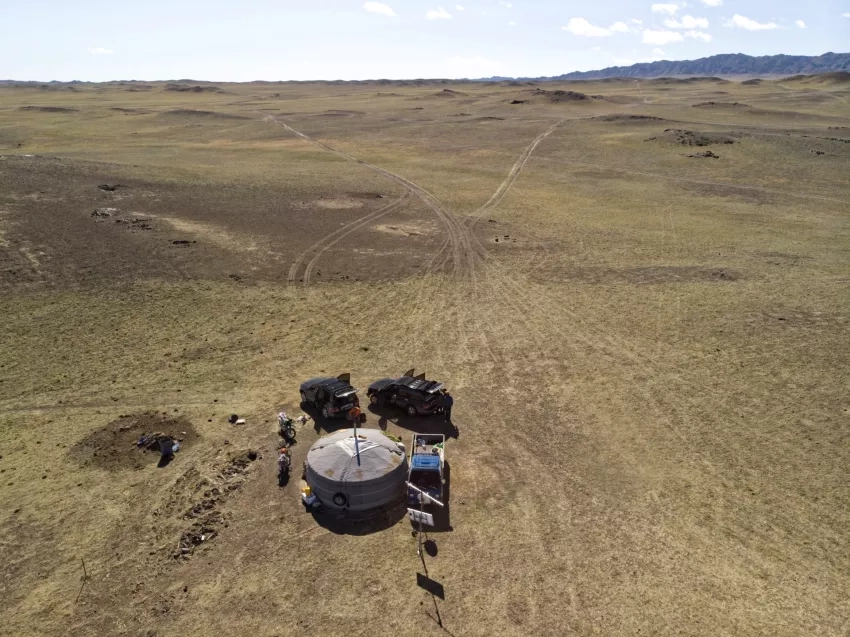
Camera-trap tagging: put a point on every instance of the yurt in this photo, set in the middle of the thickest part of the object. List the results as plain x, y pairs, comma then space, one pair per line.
361, 474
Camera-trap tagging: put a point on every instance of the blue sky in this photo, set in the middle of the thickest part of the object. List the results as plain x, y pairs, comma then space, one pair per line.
241, 40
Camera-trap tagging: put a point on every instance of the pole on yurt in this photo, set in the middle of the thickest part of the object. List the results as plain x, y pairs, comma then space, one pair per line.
356, 443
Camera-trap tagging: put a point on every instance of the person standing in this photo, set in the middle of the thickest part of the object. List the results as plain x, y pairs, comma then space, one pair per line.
448, 403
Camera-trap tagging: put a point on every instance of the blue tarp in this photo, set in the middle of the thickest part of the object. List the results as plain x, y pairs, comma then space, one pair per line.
429, 462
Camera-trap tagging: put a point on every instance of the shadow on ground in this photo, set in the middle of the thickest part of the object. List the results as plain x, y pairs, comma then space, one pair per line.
342, 523
434, 424
322, 424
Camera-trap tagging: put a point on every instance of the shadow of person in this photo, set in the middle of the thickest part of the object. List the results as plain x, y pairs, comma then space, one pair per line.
164, 460
382, 423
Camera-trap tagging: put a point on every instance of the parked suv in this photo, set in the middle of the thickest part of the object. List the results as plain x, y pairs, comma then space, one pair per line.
414, 394
332, 396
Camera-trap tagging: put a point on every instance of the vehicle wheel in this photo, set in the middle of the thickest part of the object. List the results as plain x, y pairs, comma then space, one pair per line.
374, 400
289, 433
304, 400
340, 499
325, 413
411, 410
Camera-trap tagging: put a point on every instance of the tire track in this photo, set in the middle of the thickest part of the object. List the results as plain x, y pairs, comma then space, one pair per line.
458, 246
326, 242
514, 172
461, 263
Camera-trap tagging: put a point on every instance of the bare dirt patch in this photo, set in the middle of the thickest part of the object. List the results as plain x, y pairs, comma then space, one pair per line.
405, 229
337, 203
115, 447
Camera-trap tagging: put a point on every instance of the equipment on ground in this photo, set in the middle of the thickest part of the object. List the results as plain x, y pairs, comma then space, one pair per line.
286, 425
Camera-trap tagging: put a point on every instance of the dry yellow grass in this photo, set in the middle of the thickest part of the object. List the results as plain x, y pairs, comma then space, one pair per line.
650, 365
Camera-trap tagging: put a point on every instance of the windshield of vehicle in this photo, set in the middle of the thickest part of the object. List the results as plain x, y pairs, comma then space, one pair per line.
425, 479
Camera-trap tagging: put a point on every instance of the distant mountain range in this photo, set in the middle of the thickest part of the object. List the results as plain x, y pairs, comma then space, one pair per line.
723, 64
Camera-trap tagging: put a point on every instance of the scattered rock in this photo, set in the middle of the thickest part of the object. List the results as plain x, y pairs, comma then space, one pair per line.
101, 213
109, 188
518, 101
706, 154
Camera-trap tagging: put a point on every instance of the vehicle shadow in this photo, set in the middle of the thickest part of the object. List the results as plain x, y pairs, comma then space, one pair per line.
432, 424
442, 515
322, 424
347, 523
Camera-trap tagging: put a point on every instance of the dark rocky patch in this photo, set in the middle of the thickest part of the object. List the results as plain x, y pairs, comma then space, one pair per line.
185, 88
705, 154
48, 109
189, 112
721, 105
628, 118
114, 446
683, 137
562, 96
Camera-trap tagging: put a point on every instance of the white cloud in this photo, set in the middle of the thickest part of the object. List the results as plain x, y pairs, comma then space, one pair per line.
845, 15
800, 24
596, 48
377, 7
459, 7
713, 3
511, 23
698, 35
658, 53
741, 22
101, 51
507, 5
580, 26
438, 14
661, 37
669, 9
687, 22
637, 21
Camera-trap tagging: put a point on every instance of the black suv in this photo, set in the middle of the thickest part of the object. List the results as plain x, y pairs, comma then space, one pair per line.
332, 396
414, 394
